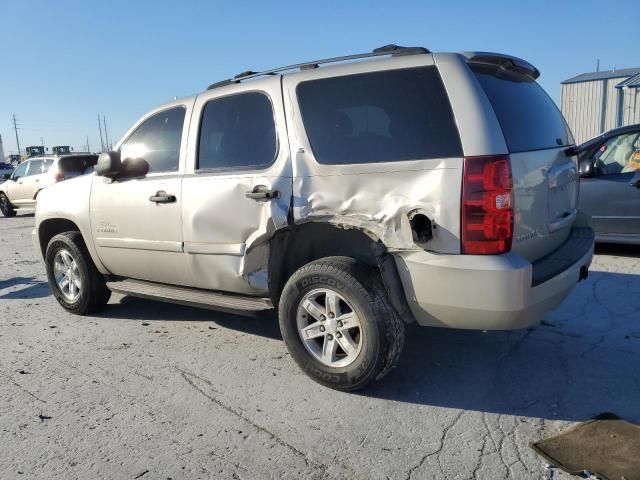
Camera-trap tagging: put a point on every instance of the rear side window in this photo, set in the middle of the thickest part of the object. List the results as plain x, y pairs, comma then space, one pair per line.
157, 140
237, 131
77, 163
383, 116
528, 117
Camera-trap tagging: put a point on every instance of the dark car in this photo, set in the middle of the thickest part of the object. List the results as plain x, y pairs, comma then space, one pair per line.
610, 184
5, 168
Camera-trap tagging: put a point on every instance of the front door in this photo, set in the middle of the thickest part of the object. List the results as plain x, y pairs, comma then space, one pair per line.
15, 186
612, 196
237, 189
136, 222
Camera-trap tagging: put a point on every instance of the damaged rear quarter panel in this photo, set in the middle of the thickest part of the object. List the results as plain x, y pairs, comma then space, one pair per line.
377, 199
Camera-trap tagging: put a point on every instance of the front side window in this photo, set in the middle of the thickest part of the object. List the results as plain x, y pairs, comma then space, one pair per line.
157, 140
20, 171
383, 116
237, 131
619, 154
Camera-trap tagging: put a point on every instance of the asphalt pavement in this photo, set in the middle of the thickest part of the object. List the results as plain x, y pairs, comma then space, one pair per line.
147, 390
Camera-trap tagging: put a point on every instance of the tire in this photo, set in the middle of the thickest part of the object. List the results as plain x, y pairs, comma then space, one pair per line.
91, 293
307, 298
5, 206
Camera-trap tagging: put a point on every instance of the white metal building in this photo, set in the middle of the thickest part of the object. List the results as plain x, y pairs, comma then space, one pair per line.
596, 102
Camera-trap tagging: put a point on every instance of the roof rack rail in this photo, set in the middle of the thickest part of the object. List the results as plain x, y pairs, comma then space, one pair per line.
391, 49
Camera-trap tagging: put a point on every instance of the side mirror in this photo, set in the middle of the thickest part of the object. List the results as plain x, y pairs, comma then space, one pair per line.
109, 164
134, 167
587, 168
6, 176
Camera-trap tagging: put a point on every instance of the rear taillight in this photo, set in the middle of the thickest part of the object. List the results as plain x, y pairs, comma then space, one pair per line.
487, 205
59, 176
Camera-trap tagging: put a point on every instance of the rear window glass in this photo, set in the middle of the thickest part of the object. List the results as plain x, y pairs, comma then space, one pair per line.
77, 164
528, 117
379, 117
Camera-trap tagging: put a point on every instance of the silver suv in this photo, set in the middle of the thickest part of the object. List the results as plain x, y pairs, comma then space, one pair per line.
23, 185
405, 186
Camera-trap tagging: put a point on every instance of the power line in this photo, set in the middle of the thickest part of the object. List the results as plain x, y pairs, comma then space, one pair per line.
106, 135
100, 128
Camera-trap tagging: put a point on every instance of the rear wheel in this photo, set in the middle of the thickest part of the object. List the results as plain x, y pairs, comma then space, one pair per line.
76, 283
5, 206
337, 322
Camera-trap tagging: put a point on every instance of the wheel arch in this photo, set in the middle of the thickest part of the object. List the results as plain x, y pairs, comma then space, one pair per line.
300, 244
52, 226
49, 228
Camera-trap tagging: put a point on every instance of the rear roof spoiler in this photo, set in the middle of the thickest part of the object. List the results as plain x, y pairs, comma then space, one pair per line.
507, 62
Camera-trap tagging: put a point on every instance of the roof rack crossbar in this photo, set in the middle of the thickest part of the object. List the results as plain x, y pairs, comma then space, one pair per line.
392, 49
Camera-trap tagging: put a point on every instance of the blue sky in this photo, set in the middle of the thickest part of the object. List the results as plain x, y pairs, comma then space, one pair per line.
63, 62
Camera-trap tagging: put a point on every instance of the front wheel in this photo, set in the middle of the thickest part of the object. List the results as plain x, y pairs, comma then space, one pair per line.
76, 283
337, 322
5, 206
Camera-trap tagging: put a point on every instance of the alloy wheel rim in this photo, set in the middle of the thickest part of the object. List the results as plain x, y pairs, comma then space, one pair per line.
329, 327
67, 275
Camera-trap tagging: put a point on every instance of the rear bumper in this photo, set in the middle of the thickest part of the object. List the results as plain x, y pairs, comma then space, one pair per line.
499, 292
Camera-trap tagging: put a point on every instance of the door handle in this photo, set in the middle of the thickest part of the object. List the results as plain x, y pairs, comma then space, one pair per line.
162, 197
262, 192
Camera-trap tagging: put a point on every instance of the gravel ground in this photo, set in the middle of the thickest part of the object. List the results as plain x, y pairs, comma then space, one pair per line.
156, 391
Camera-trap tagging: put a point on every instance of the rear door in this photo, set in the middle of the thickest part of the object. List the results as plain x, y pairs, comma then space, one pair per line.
36, 177
136, 222
545, 180
237, 190
612, 195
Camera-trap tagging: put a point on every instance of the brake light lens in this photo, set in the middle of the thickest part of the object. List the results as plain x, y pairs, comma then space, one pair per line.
487, 205
59, 176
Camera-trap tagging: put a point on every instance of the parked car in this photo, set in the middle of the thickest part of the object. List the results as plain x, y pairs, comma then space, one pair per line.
4, 167
410, 186
21, 188
610, 184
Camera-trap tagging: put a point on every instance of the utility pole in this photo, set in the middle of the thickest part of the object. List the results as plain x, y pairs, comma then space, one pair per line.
106, 135
88, 151
15, 128
100, 128
598, 65
42, 143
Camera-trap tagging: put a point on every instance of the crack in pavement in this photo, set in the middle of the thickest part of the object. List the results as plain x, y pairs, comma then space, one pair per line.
437, 452
321, 468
